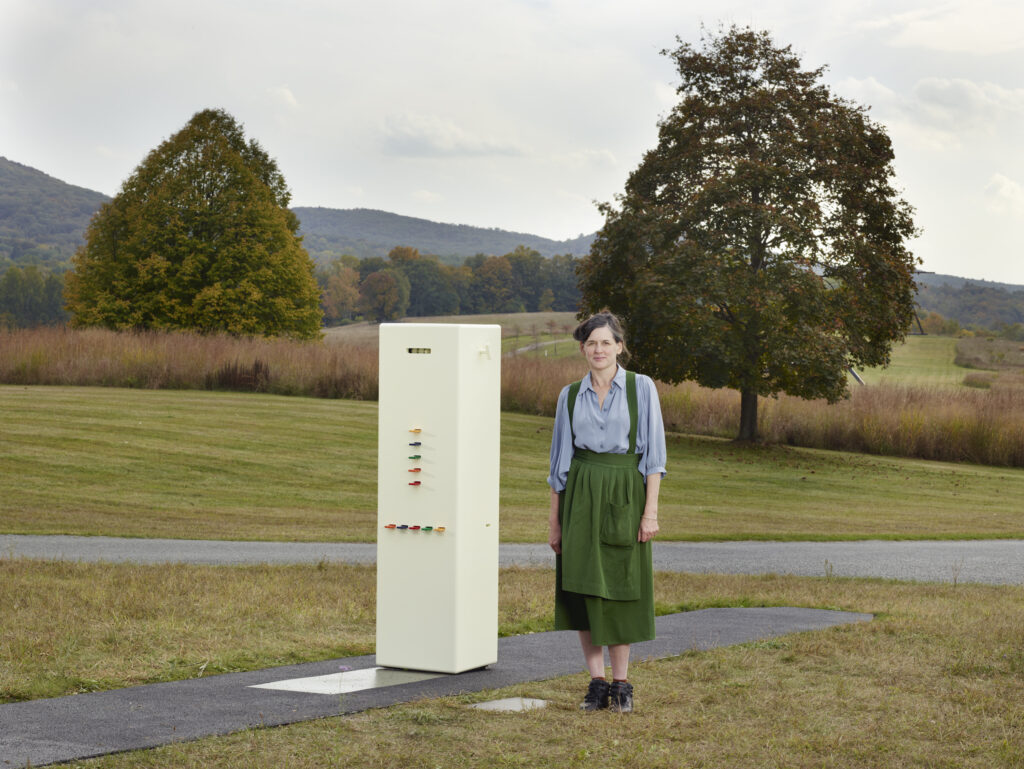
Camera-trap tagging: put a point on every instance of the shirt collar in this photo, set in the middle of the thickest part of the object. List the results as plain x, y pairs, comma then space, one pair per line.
619, 380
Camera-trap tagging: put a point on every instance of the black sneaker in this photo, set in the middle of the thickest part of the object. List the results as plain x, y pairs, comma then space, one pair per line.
597, 695
621, 695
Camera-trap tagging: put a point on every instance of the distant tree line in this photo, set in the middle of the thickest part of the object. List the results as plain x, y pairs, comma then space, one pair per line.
31, 296
409, 284
406, 283
938, 325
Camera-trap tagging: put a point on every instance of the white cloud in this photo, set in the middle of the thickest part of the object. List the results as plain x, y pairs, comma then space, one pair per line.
867, 91
1005, 196
958, 103
432, 136
940, 113
283, 95
980, 27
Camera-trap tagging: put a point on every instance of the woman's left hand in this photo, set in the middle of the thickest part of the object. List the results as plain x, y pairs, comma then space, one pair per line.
648, 528
649, 521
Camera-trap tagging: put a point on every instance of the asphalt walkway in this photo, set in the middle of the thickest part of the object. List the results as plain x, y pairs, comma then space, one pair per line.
996, 562
40, 732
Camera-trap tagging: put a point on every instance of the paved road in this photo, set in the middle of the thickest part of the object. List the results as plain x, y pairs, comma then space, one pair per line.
998, 562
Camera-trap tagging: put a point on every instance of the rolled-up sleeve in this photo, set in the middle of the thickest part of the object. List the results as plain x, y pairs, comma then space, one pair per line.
561, 444
650, 434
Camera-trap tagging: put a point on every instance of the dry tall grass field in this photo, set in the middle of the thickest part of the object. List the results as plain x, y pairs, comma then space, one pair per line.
919, 408
156, 360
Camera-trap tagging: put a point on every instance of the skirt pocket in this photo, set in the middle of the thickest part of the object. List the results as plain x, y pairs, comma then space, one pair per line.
619, 525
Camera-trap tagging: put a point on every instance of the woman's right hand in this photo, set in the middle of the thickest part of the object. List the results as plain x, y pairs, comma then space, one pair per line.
555, 537
555, 523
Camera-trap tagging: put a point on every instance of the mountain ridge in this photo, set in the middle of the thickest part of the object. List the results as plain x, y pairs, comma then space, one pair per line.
367, 232
43, 220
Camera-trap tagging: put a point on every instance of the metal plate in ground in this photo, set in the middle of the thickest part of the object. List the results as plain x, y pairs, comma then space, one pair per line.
350, 681
511, 705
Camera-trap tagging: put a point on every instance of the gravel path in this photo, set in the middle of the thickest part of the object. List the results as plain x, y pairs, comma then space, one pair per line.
997, 562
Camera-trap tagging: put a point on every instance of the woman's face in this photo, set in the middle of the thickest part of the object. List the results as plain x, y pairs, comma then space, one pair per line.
601, 349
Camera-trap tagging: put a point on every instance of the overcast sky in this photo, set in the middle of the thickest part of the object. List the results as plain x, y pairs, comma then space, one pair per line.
517, 114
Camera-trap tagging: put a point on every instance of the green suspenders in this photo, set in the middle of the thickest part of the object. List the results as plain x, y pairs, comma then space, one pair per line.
631, 404
574, 391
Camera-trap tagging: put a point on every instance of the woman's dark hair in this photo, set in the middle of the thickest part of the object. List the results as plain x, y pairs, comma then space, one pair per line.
597, 320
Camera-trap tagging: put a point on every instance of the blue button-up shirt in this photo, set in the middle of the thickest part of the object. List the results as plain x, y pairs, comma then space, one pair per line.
606, 430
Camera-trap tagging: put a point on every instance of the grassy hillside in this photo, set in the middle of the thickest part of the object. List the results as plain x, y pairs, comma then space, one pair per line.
42, 219
248, 466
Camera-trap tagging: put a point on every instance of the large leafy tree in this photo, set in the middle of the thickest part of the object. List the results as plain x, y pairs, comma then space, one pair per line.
200, 237
431, 290
339, 287
528, 278
761, 245
560, 276
384, 295
492, 286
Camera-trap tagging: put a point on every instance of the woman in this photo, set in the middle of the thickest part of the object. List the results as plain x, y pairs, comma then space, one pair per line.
607, 461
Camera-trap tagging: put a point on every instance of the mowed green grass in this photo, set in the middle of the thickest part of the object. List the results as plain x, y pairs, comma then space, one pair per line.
193, 464
921, 361
185, 464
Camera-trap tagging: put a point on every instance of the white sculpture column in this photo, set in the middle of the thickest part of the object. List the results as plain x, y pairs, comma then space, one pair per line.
437, 496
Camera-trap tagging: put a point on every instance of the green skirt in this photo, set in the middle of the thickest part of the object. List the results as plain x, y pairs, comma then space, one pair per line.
604, 579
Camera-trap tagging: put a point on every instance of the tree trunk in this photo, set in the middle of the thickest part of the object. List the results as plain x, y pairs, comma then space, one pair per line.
748, 416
